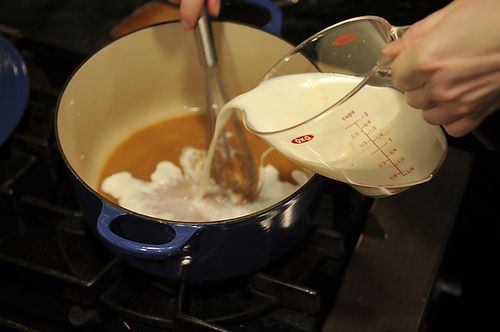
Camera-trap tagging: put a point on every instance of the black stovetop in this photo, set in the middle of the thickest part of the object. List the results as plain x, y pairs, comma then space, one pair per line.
56, 276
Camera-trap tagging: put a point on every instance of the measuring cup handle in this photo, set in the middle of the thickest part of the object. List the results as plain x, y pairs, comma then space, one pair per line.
398, 32
383, 67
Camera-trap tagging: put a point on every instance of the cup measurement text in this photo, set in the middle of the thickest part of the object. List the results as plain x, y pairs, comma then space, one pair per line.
367, 135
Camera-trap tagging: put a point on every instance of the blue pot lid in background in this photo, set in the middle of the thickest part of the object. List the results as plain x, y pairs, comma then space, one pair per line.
14, 88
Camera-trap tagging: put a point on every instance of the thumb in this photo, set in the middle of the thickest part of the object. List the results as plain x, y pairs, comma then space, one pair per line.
416, 31
393, 49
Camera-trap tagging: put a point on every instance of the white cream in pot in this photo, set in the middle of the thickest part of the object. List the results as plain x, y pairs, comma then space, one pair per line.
171, 192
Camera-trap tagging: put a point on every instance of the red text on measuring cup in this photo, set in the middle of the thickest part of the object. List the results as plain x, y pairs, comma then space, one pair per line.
345, 39
302, 139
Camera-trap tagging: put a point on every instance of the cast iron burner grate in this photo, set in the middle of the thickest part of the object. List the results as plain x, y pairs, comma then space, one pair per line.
290, 295
45, 247
270, 300
56, 276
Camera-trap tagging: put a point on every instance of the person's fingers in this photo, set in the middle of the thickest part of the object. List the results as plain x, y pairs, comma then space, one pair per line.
420, 98
213, 7
406, 73
417, 30
393, 49
440, 115
190, 11
458, 119
463, 125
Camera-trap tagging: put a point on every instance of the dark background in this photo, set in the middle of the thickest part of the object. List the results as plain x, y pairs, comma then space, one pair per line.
469, 275
84, 25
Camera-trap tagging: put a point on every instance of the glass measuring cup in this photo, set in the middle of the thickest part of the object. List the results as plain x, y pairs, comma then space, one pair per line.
361, 131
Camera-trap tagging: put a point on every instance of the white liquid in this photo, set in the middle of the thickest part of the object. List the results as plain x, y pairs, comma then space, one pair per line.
373, 139
171, 192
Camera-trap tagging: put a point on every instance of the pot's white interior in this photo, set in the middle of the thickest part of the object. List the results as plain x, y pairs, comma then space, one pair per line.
148, 76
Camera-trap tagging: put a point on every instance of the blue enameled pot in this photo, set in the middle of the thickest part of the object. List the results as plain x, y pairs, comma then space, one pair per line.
145, 77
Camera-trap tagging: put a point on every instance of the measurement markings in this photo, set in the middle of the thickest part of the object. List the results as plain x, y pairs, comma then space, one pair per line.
365, 144
378, 147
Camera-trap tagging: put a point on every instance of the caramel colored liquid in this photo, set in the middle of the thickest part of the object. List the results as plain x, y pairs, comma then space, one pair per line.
143, 150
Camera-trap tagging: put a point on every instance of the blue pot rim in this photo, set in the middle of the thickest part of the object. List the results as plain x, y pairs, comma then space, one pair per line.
14, 88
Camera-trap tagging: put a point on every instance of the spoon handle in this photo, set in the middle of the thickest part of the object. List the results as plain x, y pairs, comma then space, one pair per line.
204, 32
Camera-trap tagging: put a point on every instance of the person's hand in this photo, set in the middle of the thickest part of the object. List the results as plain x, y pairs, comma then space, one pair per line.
449, 64
190, 10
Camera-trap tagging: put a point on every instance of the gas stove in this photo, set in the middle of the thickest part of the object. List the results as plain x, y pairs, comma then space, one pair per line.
58, 277
365, 265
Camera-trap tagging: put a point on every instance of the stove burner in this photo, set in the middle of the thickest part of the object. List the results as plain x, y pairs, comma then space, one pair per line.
301, 283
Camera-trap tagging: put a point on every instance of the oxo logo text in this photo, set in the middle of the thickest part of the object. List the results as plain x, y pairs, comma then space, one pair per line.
302, 139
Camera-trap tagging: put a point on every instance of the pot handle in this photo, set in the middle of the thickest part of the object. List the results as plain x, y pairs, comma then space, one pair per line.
274, 24
275, 14
183, 234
